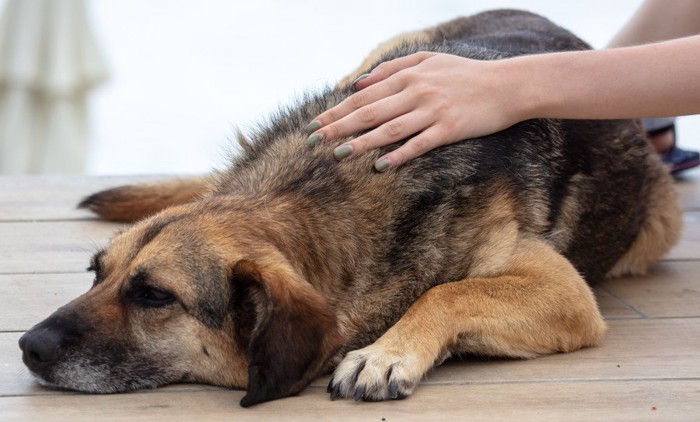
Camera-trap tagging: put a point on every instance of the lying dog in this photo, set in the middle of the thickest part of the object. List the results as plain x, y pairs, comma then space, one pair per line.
290, 264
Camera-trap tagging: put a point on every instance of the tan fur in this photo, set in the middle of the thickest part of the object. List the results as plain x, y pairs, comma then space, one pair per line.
166, 334
499, 237
540, 305
132, 203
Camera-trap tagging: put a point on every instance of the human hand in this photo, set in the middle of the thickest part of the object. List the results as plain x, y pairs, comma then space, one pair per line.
436, 98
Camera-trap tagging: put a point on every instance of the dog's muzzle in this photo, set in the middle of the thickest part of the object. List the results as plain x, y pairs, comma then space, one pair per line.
47, 343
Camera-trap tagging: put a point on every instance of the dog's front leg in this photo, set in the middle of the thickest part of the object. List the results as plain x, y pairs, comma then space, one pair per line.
541, 305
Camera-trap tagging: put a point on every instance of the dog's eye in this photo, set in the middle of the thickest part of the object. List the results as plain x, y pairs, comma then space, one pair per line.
150, 297
96, 267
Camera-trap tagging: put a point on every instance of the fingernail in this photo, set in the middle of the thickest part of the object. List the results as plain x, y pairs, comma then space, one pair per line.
359, 78
382, 164
342, 151
312, 140
312, 127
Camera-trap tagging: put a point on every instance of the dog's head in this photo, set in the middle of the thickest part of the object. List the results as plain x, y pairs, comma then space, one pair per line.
185, 297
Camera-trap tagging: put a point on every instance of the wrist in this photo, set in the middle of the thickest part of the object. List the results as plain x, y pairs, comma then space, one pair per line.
524, 95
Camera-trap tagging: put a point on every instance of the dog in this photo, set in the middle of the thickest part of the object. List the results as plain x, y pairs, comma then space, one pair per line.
289, 264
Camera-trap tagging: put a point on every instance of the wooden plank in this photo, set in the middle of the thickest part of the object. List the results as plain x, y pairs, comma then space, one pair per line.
633, 350
688, 189
36, 296
612, 308
26, 198
595, 401
646, 370
670, 290
688, 248
50, 247
14, 376
26, 246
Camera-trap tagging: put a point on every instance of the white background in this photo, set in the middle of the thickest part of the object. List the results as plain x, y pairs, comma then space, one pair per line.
184, 73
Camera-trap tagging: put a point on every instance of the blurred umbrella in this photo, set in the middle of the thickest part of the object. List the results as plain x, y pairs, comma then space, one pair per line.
48, 63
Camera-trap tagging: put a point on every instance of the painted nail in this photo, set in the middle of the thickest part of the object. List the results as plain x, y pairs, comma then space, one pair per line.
382, 164
359, 78
342, 151
312, 140
312, 127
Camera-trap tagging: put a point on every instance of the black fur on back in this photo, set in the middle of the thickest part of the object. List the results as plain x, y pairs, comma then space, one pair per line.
539, 162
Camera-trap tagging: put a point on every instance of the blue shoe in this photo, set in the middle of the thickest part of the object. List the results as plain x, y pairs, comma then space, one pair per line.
677, 159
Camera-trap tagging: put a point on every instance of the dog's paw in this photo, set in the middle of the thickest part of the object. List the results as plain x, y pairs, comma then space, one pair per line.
376, 373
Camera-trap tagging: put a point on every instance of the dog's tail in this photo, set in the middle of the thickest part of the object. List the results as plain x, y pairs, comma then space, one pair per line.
133, 202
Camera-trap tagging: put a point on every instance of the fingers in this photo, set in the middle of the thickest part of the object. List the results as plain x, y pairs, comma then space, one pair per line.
383, 104
383, 111
425, 141
392, 131
387, 69
360, 111
383, 72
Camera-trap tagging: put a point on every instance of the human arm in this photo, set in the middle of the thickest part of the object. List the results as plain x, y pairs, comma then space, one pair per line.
659, 20
653, 80
444, 99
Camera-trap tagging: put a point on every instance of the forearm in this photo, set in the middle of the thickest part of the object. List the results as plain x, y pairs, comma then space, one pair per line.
659, 20
654, 80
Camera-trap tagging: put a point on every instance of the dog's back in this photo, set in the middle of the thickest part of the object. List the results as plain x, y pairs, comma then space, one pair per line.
508, 32
584, 186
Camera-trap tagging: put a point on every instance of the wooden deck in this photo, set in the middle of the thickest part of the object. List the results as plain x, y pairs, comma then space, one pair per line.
648, 368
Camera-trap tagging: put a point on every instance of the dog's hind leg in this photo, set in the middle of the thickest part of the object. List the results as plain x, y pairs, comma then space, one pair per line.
541, 305
661, 227
133, 202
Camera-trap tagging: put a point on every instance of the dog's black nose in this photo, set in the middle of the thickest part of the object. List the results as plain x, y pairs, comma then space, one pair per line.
40, 348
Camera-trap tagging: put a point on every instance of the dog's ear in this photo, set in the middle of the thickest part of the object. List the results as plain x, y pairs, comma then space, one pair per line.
289, 329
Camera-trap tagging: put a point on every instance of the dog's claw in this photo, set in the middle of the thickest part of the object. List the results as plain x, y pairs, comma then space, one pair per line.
330, 386
394, 389
335, 392
375, 374
359, 393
